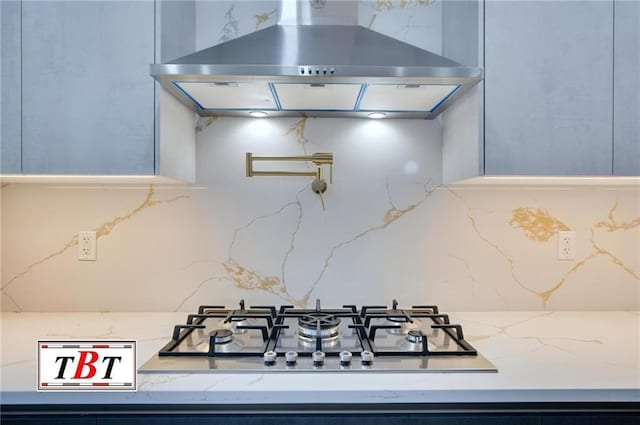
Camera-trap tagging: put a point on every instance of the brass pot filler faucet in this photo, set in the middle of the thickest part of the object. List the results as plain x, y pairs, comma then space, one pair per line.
319, 185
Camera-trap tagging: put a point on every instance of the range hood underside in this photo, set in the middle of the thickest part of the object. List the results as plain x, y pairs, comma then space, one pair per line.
293, 96
325, 71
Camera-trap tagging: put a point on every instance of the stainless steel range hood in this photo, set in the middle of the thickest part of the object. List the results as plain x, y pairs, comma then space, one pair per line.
305, 66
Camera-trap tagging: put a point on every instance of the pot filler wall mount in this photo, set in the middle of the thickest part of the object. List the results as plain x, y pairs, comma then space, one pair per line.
319, 184
317, 61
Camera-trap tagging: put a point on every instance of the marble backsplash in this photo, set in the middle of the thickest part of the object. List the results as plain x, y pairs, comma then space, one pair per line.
390, 230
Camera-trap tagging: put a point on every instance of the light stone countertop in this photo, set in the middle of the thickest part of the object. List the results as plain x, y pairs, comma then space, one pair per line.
541, 357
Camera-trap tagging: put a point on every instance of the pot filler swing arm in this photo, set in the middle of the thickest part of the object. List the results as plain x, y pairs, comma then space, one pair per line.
319, 184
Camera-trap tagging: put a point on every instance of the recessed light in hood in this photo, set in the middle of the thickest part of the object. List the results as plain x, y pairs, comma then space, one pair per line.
317, 69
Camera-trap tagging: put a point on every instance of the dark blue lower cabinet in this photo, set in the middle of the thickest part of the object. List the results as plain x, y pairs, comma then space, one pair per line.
46, 420
479, 419
301, 419
590, 419
530, 414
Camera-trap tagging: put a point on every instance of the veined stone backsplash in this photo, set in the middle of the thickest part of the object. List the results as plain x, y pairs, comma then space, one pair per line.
390, 230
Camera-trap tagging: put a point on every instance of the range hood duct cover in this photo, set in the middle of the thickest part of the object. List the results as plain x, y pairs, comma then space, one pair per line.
269, 69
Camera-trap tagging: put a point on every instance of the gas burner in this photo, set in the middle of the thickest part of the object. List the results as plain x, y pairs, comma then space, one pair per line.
404, 326
414, 336
318, 325
239, 321
413, 341
222, 336
398, 319
223, 340
326, 343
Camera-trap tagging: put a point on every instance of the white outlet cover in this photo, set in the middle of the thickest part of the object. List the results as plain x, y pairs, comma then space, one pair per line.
87, 246
567, 245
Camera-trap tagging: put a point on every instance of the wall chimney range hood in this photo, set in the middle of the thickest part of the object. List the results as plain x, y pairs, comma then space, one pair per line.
317, 61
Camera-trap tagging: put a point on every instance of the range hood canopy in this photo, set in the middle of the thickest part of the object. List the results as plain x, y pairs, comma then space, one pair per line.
305, 66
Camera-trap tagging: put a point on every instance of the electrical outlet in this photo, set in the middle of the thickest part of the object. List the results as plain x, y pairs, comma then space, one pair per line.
567, 245
87, 246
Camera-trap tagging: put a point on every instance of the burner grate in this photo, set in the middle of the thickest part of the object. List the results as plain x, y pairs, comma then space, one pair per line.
320, 328
207, 312
453, 333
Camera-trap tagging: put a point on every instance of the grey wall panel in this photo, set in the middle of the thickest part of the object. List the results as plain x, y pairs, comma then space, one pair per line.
10, 122
626, 117
87, 94
548, 87
177, 28
460, 28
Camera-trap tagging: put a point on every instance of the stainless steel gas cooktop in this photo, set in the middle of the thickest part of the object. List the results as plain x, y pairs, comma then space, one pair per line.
347, 339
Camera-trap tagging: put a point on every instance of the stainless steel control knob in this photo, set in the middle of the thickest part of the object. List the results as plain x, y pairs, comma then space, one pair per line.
345, 358
291, 357
269, 358
366, 358
318, 358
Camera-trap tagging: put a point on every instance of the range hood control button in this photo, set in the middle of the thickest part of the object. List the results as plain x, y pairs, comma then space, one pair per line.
345, 358
318, 358
332, 70
367, 358
291, 357
269, 358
